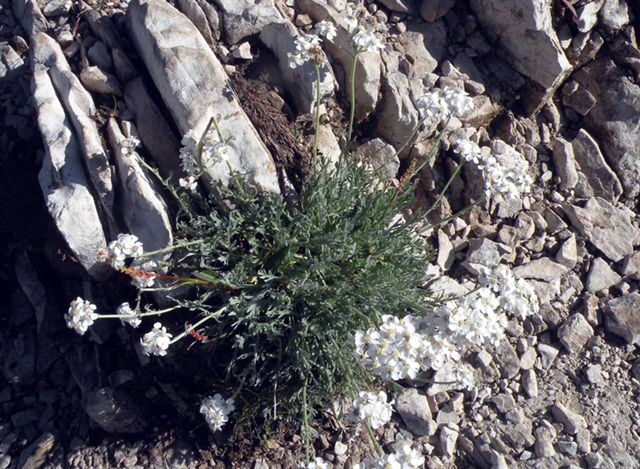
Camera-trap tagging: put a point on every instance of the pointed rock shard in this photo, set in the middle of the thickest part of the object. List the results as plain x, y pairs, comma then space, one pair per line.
64, 182
81, 110
195, 87
595, 170
144, 211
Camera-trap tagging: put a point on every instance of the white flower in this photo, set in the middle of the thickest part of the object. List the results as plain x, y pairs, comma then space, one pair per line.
81, 315
517, 296
409, 458
432, 106
307, 50
128, 146
367, 40
156, 341
372, 409
130, 316
212, 150
326, 29
216, 411
142, 274
125, 246
190, 183
465, 376
458, 101
317, 463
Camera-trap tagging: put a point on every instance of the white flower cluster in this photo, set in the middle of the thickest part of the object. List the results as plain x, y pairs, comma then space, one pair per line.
81, 315
125, 246
404, 458
437, 105
326, 29
517, 297
372, 409
317, 463
505, 174
128, 146
307, 50
142, 274
156, 341
129, 316
216, 411
363, 29
195, 160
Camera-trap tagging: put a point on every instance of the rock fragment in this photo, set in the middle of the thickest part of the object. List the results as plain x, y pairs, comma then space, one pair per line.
622, 318
448, 440
243, 18
601, 276
601, 180
631, 266
545, 435
530, 383
100, 82
431, 10
414, 410
571, 420
575, 332
540, 269
547, 355
567, 255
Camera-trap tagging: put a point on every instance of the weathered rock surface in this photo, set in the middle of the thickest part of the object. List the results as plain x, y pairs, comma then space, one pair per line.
100, 82
614, 119
144, 211
381, 156
631, 266
431, 10
30, 17
193, 11
368, 66
527, 33
414, 409
243, 18
540, 269
300, 80
64, 182
80, 109
565, 163
575, 333
601, 276
195, 87
607, 227
622, 318
601, 180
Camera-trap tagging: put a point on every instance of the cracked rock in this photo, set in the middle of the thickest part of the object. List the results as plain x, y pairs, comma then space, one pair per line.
414, 409
622, 318
601, 276
575, 332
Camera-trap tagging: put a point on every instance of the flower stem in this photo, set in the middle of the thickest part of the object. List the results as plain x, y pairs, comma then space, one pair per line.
200, 322
352, 97
305, 422
141, 315
374, 442
316, 119
173, 247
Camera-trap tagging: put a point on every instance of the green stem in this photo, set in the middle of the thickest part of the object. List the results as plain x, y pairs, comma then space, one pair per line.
374, 442
352, 97
305, 423
173, 247
316, 119
200, 322
444, 189
141, 315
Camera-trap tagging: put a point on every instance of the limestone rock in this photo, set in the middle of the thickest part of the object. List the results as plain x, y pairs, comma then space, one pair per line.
614, 14
100, 82
567, 255
243, 18
30, 17
446, 254
601, 179
81, 110
608, 228
601, 276
99, 55
448, 440
381, 156
300, 80
414, 409
540, 269
572, 421
193, 11
588, 15
424, 47
547, 355
144, 211
622, 318
530, 383
195, 87
527, 33
617, 98
631, 266
368, 66
402, 6
64, 182
545, 435
575, 332
565, 163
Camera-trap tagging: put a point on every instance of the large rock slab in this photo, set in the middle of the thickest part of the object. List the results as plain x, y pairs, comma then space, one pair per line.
601, 180
614, 119
81, 110
525, 30
63, 179
195, 87
609, 228
243, 18
368, 66
143, 210
300, 81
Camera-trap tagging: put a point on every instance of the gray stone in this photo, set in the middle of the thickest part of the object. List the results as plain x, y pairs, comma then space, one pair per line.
300, 80
570, 448
414, 409
424, 46
504, 402
545, 435
100, 82
213, 18
614, 14
243, 51
381, 156
601, 276
540, 269
582, 101
34, 455
599, 176
156, 134
530, 383
567, 255
28, 14
571, 420
547, 355
195, 87
113, 412
622, 318
244, 18
609, 228
64, 182
482, 252
593, 373
527, 33
328, 144
368, 66
588, 15
81, 110
528, 359
56, 8
143, 210
631, 266
193, 11
617, 99
99, 55
431, 10
448, 440
402, 6
507, 358
446, 254
575, 332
